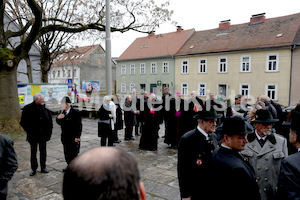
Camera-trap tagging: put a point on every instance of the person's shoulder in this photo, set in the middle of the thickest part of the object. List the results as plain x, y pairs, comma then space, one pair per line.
279, 138
28, 106
190, 134
294, 158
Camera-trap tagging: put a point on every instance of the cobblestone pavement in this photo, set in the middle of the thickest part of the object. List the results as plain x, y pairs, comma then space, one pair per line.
158, 169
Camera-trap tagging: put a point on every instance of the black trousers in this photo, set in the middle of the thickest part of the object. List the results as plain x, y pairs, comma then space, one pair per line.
128, 131
43, 155
71, 150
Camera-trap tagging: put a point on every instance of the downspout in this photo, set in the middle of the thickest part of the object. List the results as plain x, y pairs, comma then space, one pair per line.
292, 47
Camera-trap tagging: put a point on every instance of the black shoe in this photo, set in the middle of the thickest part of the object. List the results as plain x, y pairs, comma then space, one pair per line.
132, 138
32, 173
117, 141
137, 134
126, 139
45, 171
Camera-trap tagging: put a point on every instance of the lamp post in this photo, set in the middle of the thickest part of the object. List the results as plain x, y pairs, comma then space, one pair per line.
108, 51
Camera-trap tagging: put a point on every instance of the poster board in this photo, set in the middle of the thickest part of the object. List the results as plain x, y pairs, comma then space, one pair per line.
53, 93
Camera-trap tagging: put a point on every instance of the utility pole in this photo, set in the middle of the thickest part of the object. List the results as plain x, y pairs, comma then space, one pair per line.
108, 51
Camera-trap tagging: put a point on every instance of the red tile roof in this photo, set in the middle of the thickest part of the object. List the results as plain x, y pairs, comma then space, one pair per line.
160, 45
74, 56
273, 32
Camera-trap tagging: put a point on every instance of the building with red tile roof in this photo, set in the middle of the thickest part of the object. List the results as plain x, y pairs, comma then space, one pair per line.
82, 65
148, 63
261, 56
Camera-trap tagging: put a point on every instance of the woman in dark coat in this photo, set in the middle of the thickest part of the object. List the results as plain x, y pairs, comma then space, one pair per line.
150, 119
104, 123
119, 118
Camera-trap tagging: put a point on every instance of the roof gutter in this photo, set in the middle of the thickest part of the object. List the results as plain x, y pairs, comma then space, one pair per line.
292, 47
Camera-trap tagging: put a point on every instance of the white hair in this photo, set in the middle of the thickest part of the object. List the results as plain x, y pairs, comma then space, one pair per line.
106, 99
37, 96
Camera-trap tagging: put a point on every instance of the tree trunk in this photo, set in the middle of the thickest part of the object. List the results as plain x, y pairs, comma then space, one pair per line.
10, 111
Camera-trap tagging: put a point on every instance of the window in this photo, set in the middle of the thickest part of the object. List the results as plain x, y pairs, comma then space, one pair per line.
272, 62
245, 64
202, 66
132, 69
184, 89
69, 73
153, 68
185, 67
99, 61
142, 68
58, 73
53, 73
165, 68
271, 90
75, 72
222, 65
123, 87
245, 89
132, 87
123, 69
202, 89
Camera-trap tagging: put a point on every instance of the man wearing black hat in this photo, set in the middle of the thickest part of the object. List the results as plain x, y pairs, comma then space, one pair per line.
71, 127
289, 177
194, 157
265, 152
234, 176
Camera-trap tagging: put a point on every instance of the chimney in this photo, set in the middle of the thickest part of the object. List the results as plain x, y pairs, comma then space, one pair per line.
152, 33
179, 28
258, 18
224, 24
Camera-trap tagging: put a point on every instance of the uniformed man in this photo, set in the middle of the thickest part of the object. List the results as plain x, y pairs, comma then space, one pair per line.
234, 176
265, 152
194, 157
289, 179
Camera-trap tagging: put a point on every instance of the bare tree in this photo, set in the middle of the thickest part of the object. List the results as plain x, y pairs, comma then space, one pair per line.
81, 15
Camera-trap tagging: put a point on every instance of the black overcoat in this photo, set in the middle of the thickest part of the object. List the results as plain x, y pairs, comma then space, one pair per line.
194, 165
235, 178
37, 122
289, 178
71, 126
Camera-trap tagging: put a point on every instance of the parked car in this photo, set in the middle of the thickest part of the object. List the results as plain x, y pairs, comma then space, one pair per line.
80, 97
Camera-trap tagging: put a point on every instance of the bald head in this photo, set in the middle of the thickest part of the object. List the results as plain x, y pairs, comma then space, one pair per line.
102, 173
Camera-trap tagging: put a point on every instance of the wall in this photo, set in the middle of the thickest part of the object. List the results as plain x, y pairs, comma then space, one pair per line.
257, 78
295, 92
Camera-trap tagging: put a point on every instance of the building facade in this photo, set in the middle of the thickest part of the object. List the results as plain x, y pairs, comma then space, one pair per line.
82, 65
254, 58
148, 64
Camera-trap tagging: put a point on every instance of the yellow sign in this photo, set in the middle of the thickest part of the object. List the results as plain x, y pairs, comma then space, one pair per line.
21, 99
35, 89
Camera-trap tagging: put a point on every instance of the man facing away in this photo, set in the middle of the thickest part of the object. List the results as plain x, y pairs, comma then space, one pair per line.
36, 120
289, 176
103, 173
8, 163
234, 177
194, 157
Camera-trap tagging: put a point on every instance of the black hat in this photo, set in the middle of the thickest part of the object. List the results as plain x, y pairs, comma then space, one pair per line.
264, 116
295, 120
234, 125
65, 99
207, 114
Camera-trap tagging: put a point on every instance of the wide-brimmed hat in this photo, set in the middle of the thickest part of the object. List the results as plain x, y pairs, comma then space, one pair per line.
295, 120
264, 116
65, 99
207, 114
234, 125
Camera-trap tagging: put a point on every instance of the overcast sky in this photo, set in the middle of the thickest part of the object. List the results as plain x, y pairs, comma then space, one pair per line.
204, 15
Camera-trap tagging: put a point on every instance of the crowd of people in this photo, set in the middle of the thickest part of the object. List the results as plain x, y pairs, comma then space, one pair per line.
241, 149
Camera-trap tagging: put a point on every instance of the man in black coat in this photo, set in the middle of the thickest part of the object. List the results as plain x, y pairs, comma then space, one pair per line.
8, 163
129, 118
36, 120
289, 176
71, 128
234, 176
194, 157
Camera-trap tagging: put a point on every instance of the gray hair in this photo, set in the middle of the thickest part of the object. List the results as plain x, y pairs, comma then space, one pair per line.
36, 96
106, 99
